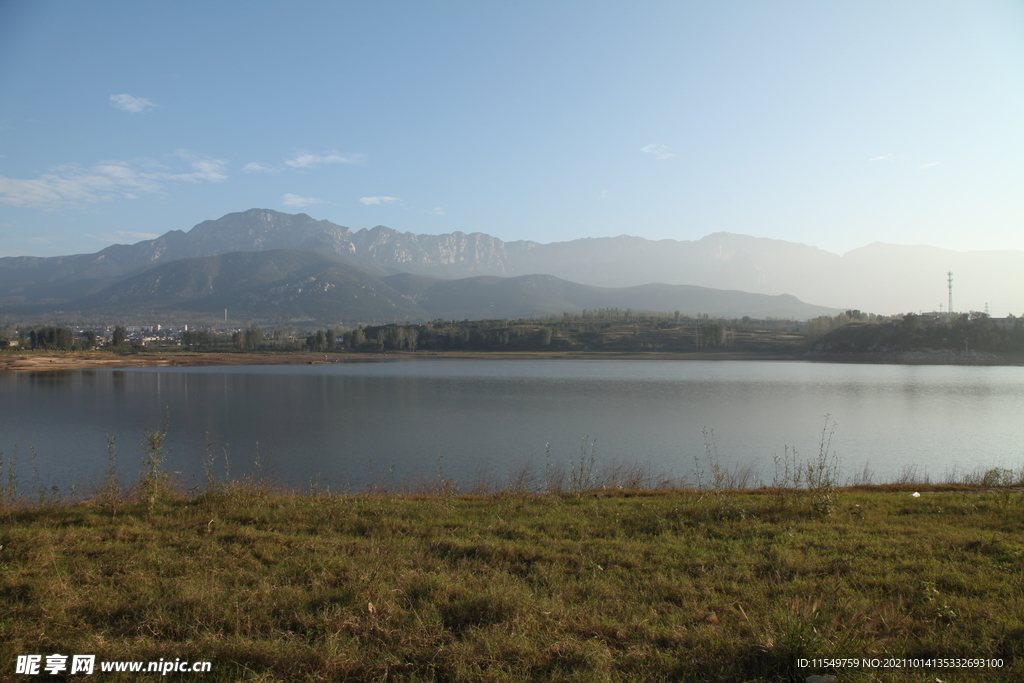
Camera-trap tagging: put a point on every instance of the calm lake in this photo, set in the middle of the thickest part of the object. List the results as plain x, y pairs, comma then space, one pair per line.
348, 425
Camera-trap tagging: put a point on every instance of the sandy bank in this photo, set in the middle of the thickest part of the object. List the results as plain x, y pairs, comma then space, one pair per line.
33, 362
97, 360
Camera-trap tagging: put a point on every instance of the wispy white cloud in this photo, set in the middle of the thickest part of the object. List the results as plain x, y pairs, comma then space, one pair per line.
203, 168
256, 167
296, 200
659, 151
304, 160
929, 165
72, 185
126, 102
20, 235
438, 211
123, 237
376, 200
309, 160
137, 235
891, 157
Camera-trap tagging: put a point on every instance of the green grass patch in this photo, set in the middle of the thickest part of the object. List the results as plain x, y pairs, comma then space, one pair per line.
617, 585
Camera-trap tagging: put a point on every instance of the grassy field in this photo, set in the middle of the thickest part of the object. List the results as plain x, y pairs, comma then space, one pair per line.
592, 585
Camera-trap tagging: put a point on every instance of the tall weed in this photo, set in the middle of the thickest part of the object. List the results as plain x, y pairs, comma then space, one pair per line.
9, 495
815, 480
154, 480
722, 477
581, 472
109, 493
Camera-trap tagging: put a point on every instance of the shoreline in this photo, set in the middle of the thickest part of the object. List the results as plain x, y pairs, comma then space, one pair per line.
99, 360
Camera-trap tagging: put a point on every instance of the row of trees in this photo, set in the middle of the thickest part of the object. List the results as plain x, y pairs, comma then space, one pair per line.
617, 315
485, 335
199, 339
974, 330
818, 327
248, 340
322, 340
63, 339
438, 335
251, 339
52, 338
604, 329
60, 339
969, 331
553, 332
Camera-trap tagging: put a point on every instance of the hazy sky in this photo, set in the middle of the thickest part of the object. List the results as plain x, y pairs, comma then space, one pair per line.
834, 124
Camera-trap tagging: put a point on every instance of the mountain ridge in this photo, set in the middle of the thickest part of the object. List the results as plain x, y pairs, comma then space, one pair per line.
285, 285
878, 277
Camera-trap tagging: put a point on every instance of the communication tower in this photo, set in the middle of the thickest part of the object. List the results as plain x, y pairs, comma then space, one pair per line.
950, 281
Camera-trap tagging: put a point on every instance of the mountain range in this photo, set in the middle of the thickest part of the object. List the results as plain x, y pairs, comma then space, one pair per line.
270, 265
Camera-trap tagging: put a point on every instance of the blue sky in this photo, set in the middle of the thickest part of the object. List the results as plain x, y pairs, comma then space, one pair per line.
827, 123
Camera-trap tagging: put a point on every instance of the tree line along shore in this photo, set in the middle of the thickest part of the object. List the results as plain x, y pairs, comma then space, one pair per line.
848, 336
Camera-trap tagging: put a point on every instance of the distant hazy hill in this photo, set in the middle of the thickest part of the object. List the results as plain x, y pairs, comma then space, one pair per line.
880, 278
526, 295
283, 285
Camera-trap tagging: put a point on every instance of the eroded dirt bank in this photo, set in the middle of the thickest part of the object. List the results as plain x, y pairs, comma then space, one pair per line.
98, 360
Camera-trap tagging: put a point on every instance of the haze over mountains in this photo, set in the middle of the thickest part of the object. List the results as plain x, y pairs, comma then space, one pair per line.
268, 264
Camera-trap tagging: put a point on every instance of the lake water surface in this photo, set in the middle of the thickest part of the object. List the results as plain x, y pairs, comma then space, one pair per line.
349, 424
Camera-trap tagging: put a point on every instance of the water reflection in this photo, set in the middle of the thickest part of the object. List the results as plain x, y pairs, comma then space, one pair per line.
348, 423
